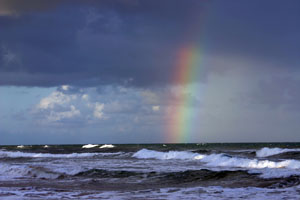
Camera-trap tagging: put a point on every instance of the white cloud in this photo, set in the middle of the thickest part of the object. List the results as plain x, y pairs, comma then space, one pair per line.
65, 87
58, 106
155, 108
55, 98
150, 97
98, 111
57, 116
87, 106
85, 97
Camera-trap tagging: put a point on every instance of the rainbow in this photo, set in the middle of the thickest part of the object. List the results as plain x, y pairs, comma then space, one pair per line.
181, 116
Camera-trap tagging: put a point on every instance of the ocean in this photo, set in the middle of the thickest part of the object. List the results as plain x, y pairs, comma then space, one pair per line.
151, 171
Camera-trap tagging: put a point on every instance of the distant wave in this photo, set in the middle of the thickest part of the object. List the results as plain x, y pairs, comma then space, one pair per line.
219, 160
107, 146
148, 154
87, 146
265, 152
18, 154
27, 171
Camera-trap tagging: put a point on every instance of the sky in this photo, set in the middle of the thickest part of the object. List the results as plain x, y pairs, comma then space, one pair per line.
139, 71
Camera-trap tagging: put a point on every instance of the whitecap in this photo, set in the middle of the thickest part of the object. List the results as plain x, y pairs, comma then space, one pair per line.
17, 171
217, 161
265, 152
146, 154
107, 146
18, 154
87, 146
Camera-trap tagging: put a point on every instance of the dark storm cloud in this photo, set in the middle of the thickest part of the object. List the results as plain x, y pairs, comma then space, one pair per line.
281, 92
90, 43
17, 7
265, 30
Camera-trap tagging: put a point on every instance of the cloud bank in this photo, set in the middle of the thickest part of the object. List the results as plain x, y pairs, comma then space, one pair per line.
137, 42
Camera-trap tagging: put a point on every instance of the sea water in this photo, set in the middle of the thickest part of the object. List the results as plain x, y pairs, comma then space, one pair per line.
151, 171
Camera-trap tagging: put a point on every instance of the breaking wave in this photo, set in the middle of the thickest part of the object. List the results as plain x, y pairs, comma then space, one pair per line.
146, 154
88, 146
18, 154
107, 146
220, 160
266, 152
16, 171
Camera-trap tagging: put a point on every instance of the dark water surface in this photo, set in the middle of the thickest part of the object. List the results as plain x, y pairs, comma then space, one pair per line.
151, 171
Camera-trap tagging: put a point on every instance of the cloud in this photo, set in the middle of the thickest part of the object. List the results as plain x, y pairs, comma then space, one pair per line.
110, 42
246, 106
8, 56
115, 62
67, 103
125, 43
279, 91
88, 106
9, 60
65, 87
155, 108
85, 97
98, 110
54, 99
16, 7
58, 116
150, 96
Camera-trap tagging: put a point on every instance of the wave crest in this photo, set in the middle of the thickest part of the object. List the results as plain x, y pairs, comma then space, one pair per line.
18, 154
88, 146
107, 146
218, 160
266, 152
17, 171
148, 154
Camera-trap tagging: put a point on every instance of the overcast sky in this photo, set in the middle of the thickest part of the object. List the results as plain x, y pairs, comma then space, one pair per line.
87, 71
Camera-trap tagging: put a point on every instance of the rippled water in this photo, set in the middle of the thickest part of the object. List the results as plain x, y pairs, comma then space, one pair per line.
156, 171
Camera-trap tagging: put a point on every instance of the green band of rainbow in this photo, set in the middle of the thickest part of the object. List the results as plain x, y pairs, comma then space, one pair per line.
182, 115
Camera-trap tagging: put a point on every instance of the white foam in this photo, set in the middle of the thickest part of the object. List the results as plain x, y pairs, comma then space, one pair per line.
146, 154
107, 146
17, 171
219, 160
284, 168
275, 173
87, 146
265, 152
18, 154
